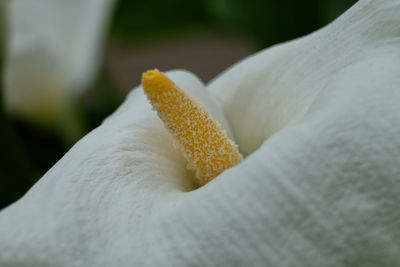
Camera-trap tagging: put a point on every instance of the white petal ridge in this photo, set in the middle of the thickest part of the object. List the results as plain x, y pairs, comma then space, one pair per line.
275, 87
121, 174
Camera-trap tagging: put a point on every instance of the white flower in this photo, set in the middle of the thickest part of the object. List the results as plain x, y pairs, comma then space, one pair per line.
319, 121
52, 50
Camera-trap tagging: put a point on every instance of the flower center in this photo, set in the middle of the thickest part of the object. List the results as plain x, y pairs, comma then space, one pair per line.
203, 142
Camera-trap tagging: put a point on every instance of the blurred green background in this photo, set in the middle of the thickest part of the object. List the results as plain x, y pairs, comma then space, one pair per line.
204, 37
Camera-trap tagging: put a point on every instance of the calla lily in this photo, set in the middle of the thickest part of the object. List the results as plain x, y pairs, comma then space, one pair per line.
52, 49
318, 119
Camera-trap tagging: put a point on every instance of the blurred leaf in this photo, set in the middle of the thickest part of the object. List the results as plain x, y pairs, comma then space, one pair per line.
17, 171
99, 103
135, 20
329, 10
270, 22
267, 21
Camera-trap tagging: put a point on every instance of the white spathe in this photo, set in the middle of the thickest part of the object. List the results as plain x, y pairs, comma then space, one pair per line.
51, 53
319, 119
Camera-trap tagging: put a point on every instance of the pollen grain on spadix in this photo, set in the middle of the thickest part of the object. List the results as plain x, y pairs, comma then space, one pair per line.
203, 142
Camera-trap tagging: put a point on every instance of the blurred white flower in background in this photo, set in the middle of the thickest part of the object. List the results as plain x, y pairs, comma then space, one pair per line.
52, 52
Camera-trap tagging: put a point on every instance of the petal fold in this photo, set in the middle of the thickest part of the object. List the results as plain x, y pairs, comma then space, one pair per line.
121, 174
275, 87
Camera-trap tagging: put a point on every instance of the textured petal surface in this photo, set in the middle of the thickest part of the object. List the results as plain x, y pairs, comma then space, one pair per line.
102, 196
319, 119
275, 88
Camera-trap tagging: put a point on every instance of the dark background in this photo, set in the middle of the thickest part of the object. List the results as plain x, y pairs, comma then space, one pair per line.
204, 37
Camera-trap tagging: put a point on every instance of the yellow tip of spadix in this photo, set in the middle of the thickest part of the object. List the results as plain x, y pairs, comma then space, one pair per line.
204, 144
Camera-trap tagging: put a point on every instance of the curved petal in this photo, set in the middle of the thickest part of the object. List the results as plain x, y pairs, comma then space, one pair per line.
121, 174
323, 192
274, 88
